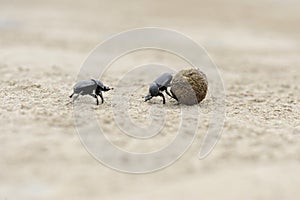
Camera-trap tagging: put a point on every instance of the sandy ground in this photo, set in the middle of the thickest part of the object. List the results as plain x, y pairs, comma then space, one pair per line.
256, 47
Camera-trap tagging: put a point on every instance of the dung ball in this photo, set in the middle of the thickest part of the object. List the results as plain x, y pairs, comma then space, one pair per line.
189, 86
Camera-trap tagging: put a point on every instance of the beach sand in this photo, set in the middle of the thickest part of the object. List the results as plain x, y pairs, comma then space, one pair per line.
256, 46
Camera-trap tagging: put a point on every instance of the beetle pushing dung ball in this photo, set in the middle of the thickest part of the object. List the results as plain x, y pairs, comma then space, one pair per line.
158, 86
188, 86
91, 87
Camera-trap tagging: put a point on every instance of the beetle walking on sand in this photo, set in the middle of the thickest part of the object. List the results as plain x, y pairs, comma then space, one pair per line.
91, 87
158, 86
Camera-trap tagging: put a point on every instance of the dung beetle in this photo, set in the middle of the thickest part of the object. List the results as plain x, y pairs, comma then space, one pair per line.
158, 86
91, 87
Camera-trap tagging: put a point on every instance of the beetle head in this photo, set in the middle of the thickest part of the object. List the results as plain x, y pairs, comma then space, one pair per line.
148, 97
153, 91
106, 88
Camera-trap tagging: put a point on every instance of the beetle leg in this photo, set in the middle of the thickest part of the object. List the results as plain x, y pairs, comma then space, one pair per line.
95, 96
100, 94
165, 88
97, 99
75, 97
161, 94
173, 95
168, 93
72, 95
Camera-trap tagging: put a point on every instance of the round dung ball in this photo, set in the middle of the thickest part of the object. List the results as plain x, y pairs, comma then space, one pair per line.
189, 86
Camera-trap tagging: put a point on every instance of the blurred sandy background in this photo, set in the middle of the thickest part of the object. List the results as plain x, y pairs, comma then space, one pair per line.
256, 45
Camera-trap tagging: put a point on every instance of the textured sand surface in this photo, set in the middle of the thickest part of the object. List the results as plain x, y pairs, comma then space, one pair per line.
256, 45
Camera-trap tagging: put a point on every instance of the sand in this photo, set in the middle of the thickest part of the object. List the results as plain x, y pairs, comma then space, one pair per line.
255, 45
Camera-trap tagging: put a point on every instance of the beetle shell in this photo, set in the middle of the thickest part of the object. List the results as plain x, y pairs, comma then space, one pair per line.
86, 87
164, 80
